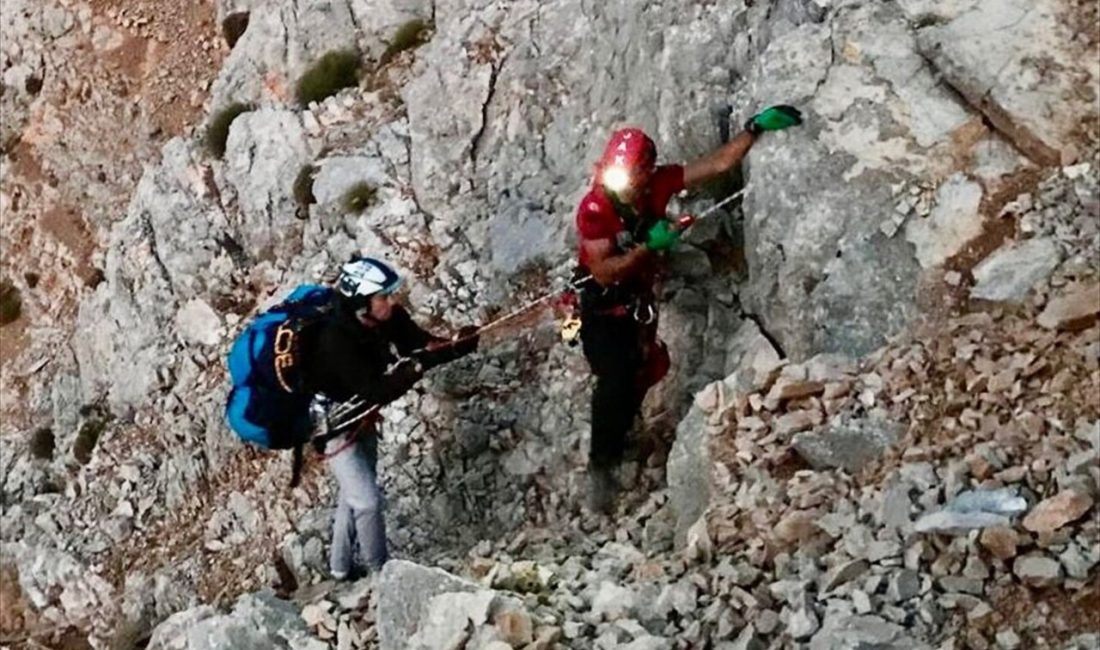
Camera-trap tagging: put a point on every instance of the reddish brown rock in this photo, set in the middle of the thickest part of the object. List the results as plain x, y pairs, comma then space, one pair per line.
795, 389
837, 389
1001, 542
515, 628
797, 527
1057, 511
1075, 308
795, 421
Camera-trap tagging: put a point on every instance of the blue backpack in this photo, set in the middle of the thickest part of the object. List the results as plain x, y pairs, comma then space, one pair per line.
267, 405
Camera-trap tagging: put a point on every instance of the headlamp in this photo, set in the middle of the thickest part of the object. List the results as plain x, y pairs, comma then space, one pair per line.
616, 178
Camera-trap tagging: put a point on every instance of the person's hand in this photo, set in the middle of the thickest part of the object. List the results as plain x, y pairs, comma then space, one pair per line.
406, 372
662, 236
774, 118
443, 351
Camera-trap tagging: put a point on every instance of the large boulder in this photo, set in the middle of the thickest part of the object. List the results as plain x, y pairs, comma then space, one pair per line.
1022, 63
256, 621
264, 154
404, 592
421, 609
282, 39
826, 200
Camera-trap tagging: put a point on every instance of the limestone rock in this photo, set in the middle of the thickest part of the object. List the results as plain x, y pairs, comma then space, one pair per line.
449, 616
1011, 271
257, 620
990, 52
855, 632
847, 443
1037, 570
198, 323
612, 601
404, 592
689, 463
953, 222
282, 39
263, 156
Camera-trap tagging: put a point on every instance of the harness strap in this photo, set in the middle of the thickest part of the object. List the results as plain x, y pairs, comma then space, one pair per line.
642, 311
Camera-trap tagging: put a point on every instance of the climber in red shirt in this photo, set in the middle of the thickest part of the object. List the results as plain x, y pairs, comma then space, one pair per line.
623, 232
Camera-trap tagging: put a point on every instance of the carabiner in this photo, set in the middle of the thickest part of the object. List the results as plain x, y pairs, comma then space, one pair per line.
650, 312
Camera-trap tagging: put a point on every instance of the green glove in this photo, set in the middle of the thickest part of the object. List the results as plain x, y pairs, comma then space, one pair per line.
662, 236
773, 118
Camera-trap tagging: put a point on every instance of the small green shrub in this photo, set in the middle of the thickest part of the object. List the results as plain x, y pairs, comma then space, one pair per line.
234, 26
43, 444
11, 305
303, 190
359, 197
412, 34
333, 71
217, 132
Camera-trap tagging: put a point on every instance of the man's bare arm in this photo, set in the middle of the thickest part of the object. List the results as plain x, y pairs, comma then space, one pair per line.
606, 267
719, 161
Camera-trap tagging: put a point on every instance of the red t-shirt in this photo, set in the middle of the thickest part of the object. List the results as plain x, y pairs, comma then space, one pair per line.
596, 215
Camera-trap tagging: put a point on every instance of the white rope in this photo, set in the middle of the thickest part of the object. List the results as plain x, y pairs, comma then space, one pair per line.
717, 206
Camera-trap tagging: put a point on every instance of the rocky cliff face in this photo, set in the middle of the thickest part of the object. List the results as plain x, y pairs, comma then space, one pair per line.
948, 163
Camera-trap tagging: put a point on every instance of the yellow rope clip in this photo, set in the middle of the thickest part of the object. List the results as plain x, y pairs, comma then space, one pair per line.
570, 330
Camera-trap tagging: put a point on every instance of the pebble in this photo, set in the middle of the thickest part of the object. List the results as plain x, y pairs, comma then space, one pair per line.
1037, 570
802, 623
1008, 640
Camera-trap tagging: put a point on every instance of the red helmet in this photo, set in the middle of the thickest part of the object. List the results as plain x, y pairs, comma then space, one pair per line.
629, 152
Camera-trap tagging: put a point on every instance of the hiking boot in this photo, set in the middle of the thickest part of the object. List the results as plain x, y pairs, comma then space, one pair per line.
602, 489
357, 573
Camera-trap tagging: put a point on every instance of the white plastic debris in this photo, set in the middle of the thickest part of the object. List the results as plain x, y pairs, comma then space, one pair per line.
973, 509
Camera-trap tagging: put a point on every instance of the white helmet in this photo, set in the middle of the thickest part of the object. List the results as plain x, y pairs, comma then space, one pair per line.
363, 277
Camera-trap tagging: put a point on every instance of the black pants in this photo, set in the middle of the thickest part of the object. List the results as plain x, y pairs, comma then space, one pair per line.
615, 347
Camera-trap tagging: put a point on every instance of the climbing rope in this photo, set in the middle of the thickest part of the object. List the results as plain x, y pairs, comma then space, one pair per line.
347, 414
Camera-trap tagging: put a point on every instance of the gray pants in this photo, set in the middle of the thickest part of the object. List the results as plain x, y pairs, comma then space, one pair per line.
359, 506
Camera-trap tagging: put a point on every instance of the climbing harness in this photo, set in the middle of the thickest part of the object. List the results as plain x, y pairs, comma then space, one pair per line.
644, 312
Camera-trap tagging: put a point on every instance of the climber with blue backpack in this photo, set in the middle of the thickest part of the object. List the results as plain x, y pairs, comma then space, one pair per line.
321, 365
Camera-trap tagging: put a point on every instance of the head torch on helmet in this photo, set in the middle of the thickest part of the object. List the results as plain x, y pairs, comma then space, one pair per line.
627, 159
616, 178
